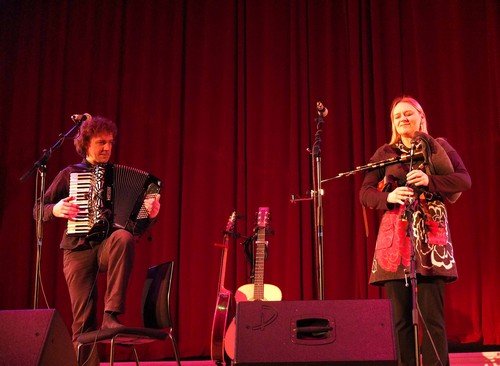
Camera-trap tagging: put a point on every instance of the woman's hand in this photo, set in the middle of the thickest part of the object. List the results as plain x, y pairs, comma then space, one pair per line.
417, 178
399, 195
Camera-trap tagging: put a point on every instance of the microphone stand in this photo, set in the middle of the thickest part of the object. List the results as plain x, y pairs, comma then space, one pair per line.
318, 203
316, 195
41, 166
397, 159
410, 204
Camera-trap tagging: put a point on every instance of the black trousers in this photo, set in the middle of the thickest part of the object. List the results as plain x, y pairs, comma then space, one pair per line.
430, 298
114, 256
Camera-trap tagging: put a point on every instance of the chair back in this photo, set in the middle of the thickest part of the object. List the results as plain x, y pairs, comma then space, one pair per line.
156, 296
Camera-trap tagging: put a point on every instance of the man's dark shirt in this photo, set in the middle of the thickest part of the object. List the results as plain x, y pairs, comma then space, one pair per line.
58, 190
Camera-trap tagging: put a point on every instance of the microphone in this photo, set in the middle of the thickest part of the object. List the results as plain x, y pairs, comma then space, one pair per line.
78, 118
322, 110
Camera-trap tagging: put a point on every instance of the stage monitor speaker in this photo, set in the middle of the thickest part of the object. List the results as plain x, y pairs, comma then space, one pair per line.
318, 332
34, 337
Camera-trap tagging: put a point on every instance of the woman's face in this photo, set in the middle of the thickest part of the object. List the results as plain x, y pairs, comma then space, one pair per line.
406, 119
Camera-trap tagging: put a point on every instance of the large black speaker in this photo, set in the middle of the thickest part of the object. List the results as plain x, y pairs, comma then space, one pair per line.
339, 332
34, 337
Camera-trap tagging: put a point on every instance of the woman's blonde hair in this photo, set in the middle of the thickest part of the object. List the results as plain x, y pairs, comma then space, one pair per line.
408, 99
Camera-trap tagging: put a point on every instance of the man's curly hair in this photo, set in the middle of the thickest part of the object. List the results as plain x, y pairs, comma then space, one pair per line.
92, 127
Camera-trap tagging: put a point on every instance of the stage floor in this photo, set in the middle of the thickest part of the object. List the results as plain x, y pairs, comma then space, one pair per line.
458, 359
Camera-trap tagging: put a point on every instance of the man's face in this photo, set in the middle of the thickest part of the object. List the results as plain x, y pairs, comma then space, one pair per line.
99, 149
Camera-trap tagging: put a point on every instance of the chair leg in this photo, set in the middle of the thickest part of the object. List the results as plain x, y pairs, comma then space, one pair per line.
86, 354
78, 354
112, 352
176, 351
136, 357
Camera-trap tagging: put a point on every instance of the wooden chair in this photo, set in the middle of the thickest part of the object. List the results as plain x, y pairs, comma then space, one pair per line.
155, 314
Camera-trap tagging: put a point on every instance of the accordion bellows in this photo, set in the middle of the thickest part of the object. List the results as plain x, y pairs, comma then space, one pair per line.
111, 197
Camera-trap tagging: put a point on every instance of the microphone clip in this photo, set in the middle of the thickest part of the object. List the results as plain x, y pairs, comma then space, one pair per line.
322, 110
79, 118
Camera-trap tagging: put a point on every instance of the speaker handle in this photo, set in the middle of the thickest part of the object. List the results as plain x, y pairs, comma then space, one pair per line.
313, 331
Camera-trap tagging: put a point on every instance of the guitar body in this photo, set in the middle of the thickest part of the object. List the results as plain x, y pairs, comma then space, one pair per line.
246, 293
219, 324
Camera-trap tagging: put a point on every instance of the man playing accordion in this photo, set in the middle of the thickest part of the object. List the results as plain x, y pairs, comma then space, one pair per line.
84, 257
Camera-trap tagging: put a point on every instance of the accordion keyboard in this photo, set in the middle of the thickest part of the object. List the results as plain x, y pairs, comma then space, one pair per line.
87, 188
80, 184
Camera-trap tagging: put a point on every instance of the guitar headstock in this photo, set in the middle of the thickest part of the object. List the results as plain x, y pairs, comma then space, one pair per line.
263, 216
231, 223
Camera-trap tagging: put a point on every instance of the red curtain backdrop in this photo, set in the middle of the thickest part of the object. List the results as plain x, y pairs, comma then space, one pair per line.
217, 98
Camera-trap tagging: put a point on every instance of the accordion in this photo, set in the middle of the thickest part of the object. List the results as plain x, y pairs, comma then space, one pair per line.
111, 197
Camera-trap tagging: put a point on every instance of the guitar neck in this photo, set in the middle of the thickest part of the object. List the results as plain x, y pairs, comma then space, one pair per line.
222, 273
260, 253
225, 243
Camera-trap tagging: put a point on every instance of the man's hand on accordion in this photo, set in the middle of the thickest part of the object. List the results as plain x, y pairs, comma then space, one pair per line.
66, 208
153, 206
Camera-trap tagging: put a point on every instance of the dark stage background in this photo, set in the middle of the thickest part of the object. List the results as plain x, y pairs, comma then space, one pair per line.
217, 98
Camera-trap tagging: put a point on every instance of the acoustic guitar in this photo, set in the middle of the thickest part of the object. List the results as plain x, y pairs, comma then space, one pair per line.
256, 291
223, 299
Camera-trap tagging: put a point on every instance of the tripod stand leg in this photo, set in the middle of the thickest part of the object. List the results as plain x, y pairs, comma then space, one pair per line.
414, 312
37, 276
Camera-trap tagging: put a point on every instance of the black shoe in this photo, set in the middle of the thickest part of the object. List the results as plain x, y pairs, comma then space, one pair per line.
110, 321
